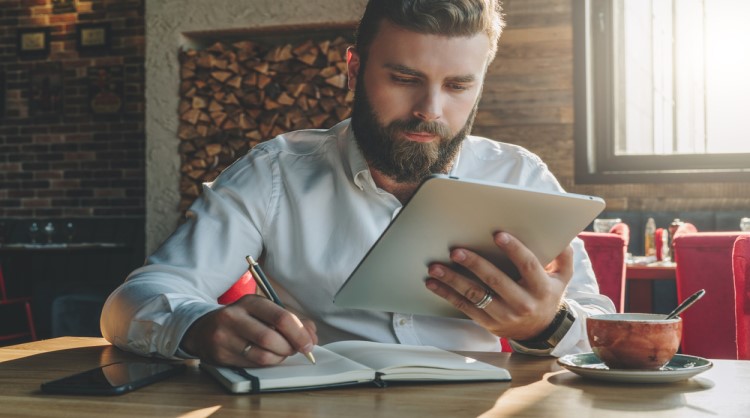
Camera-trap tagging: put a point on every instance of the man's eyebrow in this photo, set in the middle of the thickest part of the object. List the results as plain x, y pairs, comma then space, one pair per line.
404, 69
468, 78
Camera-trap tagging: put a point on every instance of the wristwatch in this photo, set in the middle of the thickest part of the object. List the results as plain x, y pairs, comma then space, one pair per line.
554, 333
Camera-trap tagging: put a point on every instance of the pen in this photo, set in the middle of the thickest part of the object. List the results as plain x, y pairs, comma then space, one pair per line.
262, 281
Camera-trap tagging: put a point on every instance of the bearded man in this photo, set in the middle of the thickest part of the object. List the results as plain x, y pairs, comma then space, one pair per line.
311, 203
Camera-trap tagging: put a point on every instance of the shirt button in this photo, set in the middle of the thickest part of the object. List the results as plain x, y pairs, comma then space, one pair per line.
402, 322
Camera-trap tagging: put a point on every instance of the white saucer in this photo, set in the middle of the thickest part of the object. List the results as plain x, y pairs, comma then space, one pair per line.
681, 367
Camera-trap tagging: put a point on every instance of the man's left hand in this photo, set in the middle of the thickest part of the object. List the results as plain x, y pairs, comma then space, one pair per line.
519, 310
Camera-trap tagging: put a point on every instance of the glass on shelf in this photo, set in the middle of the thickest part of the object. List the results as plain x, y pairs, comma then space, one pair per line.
605, 225
34, 232
49, 229
70, 231
745, 224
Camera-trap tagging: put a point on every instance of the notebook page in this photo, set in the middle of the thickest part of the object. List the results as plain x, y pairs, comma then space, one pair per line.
297, 370
416, 361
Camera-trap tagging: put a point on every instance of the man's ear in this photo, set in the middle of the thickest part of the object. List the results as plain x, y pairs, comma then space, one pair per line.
352, 66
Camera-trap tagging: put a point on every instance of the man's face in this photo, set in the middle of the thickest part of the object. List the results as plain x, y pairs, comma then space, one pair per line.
416, 99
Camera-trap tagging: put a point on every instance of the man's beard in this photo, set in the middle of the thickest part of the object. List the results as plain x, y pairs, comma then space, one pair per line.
387, 151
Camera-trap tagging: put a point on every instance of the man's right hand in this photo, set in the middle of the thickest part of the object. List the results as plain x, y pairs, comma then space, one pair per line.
273, 333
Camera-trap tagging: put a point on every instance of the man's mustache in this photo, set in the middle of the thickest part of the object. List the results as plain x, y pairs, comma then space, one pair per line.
417, 125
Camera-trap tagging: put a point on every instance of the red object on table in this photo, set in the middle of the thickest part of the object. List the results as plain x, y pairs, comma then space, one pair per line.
659, 237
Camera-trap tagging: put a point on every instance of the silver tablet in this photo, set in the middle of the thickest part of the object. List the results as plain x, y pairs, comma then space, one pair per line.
447, 212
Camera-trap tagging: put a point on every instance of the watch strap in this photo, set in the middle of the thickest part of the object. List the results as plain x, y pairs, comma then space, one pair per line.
554, 333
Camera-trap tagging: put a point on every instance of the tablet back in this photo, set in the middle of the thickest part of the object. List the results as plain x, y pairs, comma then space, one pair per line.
446, 213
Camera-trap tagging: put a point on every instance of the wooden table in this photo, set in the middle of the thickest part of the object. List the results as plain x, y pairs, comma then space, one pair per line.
540, 388
640, 281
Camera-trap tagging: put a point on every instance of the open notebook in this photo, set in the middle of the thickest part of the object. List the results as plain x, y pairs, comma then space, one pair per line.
346, 363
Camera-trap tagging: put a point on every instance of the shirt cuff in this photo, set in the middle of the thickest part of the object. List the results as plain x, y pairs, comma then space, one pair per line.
575, 340
181, 320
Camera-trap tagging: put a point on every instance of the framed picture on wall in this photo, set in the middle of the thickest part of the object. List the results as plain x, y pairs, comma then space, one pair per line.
106, 94
93, 37
63, 6
32, 42
46, 90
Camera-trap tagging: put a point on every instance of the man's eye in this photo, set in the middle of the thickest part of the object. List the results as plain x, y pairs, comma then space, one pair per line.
458, 87
403, 80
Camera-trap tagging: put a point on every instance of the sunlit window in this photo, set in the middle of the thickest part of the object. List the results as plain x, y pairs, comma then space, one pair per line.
662, 87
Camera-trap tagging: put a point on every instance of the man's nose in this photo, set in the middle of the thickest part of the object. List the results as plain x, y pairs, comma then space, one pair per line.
429, 107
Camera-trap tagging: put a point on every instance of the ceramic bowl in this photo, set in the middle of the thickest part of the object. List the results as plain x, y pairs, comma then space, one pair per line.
634, 341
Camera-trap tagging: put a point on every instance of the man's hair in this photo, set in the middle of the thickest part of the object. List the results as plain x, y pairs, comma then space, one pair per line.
435, 17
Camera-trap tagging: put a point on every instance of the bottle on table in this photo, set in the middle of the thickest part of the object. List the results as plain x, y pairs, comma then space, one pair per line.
672, 230
666, 254
649, 239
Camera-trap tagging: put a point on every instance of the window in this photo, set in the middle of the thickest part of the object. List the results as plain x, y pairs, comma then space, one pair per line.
662, 90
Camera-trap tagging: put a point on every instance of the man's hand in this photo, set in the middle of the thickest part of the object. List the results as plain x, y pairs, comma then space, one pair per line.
519, 310
273, 333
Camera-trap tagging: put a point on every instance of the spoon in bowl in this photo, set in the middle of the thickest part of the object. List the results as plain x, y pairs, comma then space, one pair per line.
686, 303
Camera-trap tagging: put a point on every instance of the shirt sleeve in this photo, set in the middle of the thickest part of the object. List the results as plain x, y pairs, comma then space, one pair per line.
181, 281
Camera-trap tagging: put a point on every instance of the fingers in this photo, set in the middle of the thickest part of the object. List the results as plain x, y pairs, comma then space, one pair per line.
562, 266
468, 292
496, 279
463, 301
523, 259
251, 332
519, 308
282, 324
311, 330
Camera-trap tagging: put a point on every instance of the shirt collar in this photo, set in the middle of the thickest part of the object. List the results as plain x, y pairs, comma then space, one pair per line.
360, 171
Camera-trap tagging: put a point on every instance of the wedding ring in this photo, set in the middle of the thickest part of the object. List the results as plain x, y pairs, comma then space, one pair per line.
246, 349
486, 300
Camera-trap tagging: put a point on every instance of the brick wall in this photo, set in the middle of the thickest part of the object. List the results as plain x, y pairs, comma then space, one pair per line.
67, 157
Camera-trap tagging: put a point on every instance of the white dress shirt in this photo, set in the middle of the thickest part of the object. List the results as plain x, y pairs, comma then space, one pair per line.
306, 204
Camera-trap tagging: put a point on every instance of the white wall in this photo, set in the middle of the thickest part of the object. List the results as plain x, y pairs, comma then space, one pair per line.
166, 23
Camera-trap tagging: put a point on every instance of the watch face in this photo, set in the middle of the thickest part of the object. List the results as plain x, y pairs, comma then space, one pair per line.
563, 329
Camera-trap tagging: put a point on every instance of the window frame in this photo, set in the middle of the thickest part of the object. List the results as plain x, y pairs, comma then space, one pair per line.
595, 158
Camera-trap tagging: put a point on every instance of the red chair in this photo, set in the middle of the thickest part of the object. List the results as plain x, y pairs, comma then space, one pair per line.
685, 228
30, 331
245, 285
622, 229
608, 252
704, 261
741, 271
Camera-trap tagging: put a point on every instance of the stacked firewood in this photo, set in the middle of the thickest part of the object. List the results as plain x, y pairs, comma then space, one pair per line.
234, 96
